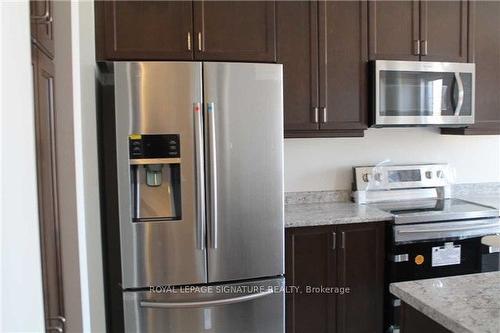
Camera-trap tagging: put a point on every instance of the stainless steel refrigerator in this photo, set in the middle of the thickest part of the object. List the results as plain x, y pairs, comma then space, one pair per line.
199, 169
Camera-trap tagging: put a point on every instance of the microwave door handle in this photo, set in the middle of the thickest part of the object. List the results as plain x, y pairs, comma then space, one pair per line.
460, 101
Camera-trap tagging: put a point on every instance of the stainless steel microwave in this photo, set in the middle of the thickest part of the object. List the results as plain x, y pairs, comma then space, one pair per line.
417, 93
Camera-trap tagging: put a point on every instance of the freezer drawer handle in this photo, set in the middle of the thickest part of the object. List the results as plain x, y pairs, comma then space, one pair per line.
239, 299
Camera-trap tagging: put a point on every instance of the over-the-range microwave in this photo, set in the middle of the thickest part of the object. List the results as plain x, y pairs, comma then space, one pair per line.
417, 93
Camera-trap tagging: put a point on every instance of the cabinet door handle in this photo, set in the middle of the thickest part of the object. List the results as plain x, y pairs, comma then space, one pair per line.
416, 47
334, 240
189, 41
342, 240
424, 47
316, 115
324, 118
46, 18
200, 46
59, 318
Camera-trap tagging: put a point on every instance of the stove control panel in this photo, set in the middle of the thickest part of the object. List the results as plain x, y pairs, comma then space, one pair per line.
389, 177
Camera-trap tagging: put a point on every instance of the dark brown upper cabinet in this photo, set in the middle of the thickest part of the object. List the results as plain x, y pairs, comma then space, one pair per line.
343, 67
394, 33
185, 30
144, 30
347, 256
485, 38
419, 30
235, 30
297, 46
324, 54
42, 25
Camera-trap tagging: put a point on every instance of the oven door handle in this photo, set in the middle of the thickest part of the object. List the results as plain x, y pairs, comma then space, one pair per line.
483, 226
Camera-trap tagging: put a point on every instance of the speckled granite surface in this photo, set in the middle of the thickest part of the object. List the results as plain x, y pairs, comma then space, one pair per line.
334, 207
317, 197
492, 188
303, 215
466, 303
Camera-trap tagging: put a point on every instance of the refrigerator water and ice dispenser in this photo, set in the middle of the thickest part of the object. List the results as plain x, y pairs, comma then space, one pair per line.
155, 171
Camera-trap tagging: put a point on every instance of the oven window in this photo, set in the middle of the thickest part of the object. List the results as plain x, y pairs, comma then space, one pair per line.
407, 93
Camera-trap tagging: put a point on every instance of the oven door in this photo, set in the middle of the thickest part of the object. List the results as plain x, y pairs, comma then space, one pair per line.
433, 250
412, 93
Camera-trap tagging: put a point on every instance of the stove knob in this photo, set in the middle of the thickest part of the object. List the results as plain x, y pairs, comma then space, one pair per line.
366, 177
378, 177
440, 174
428, 174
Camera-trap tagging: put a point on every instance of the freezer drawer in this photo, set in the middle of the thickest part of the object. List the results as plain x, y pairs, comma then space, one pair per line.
251, 307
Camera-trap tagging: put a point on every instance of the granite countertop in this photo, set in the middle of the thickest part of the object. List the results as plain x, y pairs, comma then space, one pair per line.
327, 213
482, 199
465, 303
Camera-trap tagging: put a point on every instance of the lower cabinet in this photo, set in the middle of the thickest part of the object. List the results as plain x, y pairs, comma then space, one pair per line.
48, 197
334, 276
413, 321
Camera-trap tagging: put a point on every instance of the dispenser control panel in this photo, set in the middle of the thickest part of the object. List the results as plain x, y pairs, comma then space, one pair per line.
154, 146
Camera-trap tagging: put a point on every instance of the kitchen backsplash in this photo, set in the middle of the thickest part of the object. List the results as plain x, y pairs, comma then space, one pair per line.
291, 198
326, 164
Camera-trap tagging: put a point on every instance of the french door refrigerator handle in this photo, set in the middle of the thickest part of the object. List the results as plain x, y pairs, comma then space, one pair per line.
202, 304
460, 86
213, 173
200, 177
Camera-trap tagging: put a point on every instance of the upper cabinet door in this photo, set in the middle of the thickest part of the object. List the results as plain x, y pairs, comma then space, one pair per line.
235, 30
443, 30
487, 59
394, 32
42, 25
297, 46
343, 66
145, 30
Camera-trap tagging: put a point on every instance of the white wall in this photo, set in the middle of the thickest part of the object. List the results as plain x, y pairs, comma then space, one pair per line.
326, 164
86, 159
21, 308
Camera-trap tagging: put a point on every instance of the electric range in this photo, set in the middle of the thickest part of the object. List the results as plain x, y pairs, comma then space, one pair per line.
431, 235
